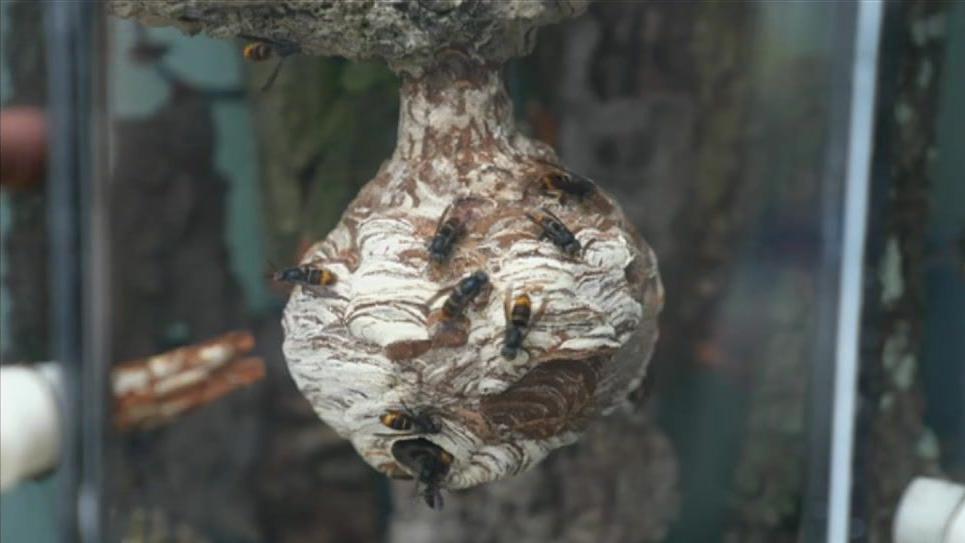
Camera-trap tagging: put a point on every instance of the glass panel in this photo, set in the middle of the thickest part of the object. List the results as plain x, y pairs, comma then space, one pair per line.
742, 215
720, 128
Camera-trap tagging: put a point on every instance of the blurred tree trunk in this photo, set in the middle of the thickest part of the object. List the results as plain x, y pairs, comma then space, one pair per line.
684, 111
172, 285
655, 102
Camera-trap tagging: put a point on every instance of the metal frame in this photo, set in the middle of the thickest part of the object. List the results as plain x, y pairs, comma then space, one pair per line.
78, 250
864, 78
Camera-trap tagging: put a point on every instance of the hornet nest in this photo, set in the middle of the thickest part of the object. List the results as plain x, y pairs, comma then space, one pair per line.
478, 304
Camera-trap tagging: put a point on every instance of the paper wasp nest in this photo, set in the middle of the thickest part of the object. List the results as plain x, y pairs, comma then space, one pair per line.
376, 340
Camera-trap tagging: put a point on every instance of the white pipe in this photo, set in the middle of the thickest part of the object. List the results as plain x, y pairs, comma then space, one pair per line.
931, 511
956, 528
860, 142
30, 422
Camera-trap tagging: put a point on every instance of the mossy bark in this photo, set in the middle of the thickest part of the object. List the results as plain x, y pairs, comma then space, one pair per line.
321, 131
893, 444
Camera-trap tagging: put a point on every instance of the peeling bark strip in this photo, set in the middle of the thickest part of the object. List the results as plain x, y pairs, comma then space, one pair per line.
153, 391
377, 340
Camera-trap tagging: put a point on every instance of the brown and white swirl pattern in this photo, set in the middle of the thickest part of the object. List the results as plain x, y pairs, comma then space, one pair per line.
374, 340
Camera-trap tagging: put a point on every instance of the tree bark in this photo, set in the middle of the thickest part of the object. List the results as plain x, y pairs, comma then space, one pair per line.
173, 286
407, 35
893, 444
659, 99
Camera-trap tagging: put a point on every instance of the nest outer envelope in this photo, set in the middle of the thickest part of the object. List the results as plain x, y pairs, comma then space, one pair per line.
375, 340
